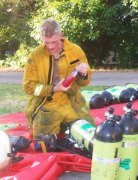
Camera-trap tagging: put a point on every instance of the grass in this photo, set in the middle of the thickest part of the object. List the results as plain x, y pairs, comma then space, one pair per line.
13, 99
94, 88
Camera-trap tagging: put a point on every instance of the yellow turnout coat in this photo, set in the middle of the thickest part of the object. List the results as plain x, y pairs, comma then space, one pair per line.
37, 84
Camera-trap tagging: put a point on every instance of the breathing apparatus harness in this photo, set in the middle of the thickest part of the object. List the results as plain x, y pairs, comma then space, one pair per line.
52, 143
47, 143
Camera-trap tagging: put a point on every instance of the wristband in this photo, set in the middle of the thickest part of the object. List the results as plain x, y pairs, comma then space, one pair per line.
85, 76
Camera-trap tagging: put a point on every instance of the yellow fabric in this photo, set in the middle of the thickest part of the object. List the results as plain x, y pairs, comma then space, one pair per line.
39, 69
49, 121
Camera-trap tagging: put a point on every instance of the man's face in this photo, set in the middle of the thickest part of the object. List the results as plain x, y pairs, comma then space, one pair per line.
53, 43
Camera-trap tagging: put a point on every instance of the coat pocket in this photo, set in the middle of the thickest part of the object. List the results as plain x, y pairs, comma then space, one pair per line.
45, 117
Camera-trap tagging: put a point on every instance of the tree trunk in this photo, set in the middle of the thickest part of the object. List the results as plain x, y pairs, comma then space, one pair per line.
97, 50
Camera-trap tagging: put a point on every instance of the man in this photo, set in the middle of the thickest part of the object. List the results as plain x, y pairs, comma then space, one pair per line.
50, 103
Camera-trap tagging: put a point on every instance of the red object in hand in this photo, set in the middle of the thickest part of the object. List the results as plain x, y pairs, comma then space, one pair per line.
69, 79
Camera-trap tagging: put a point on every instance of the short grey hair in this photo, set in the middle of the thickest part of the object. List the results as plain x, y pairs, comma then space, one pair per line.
50, 27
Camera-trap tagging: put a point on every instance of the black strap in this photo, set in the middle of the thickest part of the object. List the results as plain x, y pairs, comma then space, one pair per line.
50, 70
49, 98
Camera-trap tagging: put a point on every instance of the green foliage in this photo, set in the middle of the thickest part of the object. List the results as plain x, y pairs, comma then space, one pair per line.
126, 43
97, 25
14, 29
19, 58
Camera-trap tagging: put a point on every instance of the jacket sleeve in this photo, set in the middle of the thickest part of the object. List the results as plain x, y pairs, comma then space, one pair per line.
31, 84
83, 81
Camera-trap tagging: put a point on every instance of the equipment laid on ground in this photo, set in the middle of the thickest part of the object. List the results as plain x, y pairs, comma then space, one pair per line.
129, 153
78, 139
134, 93
123, 94
87, 94
52, 143
19, 143
96, 101
83, 132
108, 98
134, 90
111, 95
107, 145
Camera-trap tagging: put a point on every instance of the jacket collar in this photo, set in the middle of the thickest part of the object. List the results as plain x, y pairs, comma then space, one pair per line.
66, 46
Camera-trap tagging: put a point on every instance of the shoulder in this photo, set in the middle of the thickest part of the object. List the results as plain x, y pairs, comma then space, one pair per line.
68, 45
40, 49
37, 54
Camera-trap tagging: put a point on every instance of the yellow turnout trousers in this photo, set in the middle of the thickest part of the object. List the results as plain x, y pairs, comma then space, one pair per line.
52, 114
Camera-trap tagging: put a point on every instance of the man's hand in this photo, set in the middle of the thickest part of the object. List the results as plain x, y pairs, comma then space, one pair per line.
82, 69
59, 87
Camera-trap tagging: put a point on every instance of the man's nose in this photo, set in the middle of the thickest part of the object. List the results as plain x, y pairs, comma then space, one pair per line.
50, 46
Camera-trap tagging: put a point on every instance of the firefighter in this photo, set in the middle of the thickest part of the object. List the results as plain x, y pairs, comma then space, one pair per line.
50, 104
